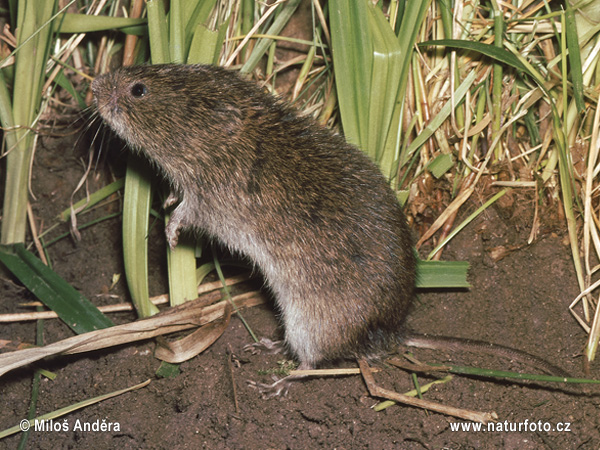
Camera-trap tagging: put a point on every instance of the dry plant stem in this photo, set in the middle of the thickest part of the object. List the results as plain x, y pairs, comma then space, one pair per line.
189, 315
73, 216
464, 195
589, 233
193, 344
377, 391
34, 233
535, 223
467, 189
254, 29
130, 39
420, 368
446, 229
327, 372
73, 46
232, 378
121, 307
323, 22
66, 56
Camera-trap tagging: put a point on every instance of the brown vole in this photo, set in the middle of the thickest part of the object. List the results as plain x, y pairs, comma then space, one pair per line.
310, 210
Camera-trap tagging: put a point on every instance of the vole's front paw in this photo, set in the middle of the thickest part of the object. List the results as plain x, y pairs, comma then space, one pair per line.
172, 233
265, 345
171, 200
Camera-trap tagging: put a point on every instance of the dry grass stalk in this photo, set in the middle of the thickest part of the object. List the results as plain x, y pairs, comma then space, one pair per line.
192, 314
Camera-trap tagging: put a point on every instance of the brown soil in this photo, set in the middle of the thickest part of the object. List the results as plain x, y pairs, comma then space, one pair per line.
520, 301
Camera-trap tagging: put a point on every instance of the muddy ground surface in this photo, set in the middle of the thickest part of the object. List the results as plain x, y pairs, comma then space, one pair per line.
520, 301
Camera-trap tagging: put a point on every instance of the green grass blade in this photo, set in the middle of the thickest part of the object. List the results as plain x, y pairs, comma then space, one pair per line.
69, 409
465, 222
73, 308
385, 81
246, 21
409, 24
94, 198
198, 15
492, 51
12, 196
442, 274
158, 31
352, 62
203, 45
136, 214
497, 82
283, 16
85, 23
441, 164
80, 226
15, 194
176, 38
439, 119
413, 393
371, 68
67, 85
181, 263
33, 41
6, 115
576, 71
489, 373
227, 295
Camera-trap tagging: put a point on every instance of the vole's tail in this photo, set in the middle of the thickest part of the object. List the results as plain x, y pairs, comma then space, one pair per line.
459, 344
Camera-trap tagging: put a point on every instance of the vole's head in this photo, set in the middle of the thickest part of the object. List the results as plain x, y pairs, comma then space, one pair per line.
165, 107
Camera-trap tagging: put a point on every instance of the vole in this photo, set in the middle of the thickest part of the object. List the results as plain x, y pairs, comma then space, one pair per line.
311, 211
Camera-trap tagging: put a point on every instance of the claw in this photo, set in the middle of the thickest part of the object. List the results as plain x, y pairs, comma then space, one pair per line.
172, 233
277, 389
266, 345
171, 200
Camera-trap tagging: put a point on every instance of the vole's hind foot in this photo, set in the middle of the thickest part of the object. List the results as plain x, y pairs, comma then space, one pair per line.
265, 345
281, 386
277, 389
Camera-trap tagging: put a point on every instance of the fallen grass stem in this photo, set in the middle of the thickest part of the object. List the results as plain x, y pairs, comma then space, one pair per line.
377, 391
69, 409
487, 373
189, 315
228, 295
123, 307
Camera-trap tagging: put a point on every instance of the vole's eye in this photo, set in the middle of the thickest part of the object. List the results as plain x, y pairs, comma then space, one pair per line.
138, 90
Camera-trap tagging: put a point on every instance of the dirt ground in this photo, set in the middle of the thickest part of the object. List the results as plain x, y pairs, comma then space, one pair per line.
519, 301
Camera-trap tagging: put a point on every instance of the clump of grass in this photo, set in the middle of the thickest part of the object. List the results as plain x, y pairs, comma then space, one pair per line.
526, 127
